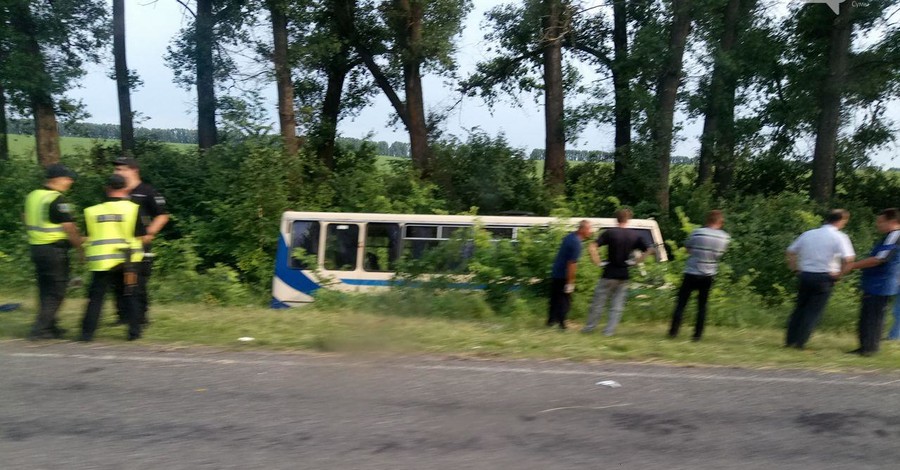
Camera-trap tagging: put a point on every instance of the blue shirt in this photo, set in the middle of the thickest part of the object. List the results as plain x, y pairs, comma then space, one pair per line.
882, 279
570, 250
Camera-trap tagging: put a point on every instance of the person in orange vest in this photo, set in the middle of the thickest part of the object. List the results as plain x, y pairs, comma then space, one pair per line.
51, 232
114, 231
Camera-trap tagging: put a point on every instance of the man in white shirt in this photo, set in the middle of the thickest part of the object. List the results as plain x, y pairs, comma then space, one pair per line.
818, 256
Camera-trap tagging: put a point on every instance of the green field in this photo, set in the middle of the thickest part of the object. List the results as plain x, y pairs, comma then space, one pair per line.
23, 145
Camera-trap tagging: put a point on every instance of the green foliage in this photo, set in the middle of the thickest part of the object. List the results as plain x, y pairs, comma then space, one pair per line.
485, 172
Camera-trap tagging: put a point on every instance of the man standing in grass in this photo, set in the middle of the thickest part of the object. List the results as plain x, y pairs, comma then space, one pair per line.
705, 246
818, 257
114, 232
622, 242
154, 216
562, 276
879, 281
51, 231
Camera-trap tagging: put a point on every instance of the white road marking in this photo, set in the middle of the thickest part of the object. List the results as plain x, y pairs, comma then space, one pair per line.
585, 407
850, 381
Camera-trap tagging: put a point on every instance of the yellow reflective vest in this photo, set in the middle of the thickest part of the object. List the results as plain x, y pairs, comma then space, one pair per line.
37, 218
110, 228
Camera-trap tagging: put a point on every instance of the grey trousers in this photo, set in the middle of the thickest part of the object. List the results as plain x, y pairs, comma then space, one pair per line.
607, 288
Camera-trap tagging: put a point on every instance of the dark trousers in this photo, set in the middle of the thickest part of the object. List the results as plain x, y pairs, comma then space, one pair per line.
51, 264
100, 283
142, 301
871, 321
689, 284
812, 296
560, 302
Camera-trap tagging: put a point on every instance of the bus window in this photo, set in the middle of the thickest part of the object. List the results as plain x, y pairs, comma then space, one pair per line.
341, 242
418, 239
304, 235
382, 247
500, 233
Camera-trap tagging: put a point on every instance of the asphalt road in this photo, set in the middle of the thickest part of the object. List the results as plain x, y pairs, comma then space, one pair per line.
74, 406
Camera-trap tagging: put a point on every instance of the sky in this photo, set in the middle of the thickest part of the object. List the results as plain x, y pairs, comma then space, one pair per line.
151, 24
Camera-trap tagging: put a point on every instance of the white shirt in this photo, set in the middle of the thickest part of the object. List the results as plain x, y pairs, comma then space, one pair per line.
821, 250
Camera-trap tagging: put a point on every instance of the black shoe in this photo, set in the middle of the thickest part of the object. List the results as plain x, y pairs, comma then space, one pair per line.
40, 336
695, 338
856, 351
134, 336
58, 332
85, 339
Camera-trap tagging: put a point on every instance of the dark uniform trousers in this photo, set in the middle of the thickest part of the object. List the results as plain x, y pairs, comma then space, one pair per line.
560, 302
142, 300
871, 321
51, 264
692, 282
100, 283
812, 296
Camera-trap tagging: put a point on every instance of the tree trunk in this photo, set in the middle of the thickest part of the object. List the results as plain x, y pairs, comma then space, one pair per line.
555, 139
285, 85
412, 79
621, 82
4, 140
331, 109
123, 79
667, 95
206, 86
722, 82
822, 184
46, 130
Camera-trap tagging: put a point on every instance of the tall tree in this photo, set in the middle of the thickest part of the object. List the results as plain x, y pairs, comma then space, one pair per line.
199, 57
205, 74
667, 94
39, 94
531, 37
555, 25
44, 46
123, 78
4, 140
285, 86
416, 34
828, 122
621, 85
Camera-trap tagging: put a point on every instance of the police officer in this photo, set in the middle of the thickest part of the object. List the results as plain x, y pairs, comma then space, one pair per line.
112, 227
51, 232
154, 216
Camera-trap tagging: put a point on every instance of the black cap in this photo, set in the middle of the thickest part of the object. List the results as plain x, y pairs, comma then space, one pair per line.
126, 161
58, 170
115, 182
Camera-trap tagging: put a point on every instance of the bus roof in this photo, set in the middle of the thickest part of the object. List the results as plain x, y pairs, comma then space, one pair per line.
457, 219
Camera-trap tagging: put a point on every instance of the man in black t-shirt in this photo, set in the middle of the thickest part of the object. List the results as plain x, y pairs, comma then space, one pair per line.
51, 232
621, 243
154, 217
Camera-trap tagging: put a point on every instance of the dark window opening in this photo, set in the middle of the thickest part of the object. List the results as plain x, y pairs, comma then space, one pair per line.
304, 243
382, 247
341, 243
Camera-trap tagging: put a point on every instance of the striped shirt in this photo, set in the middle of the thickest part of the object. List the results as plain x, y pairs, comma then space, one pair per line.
705, 245
821, 250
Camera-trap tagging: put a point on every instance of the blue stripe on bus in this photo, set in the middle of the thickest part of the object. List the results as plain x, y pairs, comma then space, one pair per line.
292, 277
379, 283
276, 304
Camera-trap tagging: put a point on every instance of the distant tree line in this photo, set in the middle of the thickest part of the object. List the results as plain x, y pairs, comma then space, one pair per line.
107, 131
600, 156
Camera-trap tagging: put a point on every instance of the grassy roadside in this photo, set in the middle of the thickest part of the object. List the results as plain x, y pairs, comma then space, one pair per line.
311, 329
